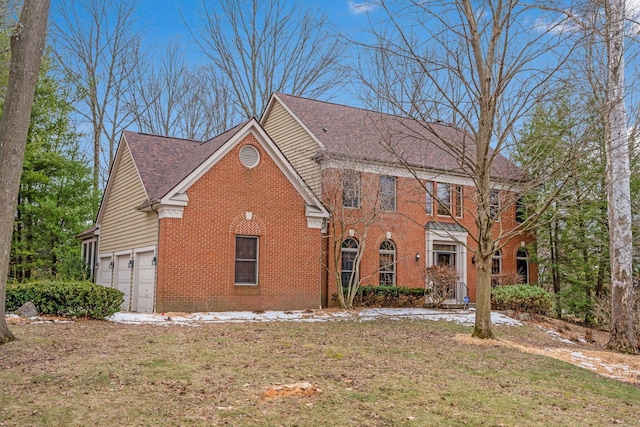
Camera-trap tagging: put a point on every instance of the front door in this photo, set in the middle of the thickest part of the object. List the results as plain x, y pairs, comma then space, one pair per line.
444, 255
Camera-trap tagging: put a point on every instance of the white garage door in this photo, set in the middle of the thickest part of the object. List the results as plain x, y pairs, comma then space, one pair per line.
123, 279
144, 284
104, 277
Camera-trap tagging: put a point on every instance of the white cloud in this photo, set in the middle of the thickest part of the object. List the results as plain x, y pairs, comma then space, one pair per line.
358, 8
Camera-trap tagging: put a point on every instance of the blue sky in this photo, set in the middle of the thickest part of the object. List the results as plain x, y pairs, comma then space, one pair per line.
162, 20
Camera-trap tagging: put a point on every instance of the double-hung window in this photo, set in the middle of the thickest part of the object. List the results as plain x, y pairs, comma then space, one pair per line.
429, 205
246, 271
350, 189
387, 193
494, 203
444, 198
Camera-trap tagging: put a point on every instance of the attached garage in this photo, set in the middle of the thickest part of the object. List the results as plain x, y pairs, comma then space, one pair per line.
144, 280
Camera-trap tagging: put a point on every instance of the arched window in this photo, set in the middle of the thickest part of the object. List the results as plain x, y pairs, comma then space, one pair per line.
387, 263
349, 253
522, 265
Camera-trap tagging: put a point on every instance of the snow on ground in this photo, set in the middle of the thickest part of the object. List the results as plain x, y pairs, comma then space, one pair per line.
464, 317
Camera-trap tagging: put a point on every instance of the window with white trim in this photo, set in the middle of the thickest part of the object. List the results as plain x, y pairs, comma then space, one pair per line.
496, 268
429, 204
246, 265
349, 254
444, 198
522, 265
387, 268
350, 189
458, 196
387, 193
494, 203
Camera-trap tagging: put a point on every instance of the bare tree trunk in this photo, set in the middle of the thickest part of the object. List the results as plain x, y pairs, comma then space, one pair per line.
622, 336
27, 45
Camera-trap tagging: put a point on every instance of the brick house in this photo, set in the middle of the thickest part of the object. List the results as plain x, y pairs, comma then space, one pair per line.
208, 226
271, 214
389, 178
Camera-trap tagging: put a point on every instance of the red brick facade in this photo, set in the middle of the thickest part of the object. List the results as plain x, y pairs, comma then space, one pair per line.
405, 227
196, 253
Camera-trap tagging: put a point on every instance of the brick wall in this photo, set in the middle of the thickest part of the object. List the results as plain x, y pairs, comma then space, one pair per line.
406, 229
196, 253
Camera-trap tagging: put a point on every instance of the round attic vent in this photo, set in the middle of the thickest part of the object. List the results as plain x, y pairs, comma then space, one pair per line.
249, 156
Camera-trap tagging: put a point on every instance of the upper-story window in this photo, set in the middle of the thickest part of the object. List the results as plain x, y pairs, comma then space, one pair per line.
444, 198
494, 203
429, 205
387, 193
351, 189
458, 204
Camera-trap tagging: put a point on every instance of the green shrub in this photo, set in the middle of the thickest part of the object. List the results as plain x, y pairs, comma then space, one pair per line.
68, 299
523, 298
389, 296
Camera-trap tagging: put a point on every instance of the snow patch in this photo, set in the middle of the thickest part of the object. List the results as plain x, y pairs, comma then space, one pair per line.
463, 317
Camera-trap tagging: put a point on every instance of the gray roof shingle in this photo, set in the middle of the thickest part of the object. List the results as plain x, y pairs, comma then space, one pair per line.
163, 162
368, 135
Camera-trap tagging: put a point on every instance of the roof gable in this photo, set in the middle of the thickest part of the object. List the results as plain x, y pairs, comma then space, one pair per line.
220, 146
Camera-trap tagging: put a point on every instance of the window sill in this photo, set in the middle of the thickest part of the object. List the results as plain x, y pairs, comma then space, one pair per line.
245, 284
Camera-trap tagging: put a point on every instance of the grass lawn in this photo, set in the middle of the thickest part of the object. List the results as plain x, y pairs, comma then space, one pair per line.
375, 373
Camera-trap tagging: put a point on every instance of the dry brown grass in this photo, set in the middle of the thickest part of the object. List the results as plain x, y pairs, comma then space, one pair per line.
377, 373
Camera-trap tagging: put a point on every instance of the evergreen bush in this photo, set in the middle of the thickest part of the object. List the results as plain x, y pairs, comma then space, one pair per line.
67, 299
522, 298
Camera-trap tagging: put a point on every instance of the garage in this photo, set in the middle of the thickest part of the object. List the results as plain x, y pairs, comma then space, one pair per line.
144, 280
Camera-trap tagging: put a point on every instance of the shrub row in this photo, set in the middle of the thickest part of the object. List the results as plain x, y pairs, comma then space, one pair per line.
67, 299
390, 296
523, 298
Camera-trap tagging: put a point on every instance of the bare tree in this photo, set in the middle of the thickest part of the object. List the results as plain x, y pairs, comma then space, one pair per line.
622, 334
173, 99
27, 45
266, 46
600, 73
99, 49
480, 67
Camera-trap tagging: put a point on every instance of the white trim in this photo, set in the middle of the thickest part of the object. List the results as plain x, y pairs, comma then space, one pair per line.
170, 211
459, 238
145, 249
273, 99
175, 198
367, 166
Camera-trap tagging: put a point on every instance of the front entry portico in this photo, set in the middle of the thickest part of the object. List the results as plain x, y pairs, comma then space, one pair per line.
446, 246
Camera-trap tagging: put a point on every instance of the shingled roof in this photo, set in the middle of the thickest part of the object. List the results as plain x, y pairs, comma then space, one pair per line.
163, 162
352, 132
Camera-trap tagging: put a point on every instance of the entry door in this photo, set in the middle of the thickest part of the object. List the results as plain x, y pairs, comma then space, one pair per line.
144, 282
106, 269
123, 281
444, 255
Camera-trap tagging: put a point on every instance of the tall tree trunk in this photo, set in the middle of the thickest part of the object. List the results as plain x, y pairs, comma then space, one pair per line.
27, 44
622, 335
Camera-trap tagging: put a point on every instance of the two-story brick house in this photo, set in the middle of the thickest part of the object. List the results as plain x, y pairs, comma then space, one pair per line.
273, 214
390, 179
